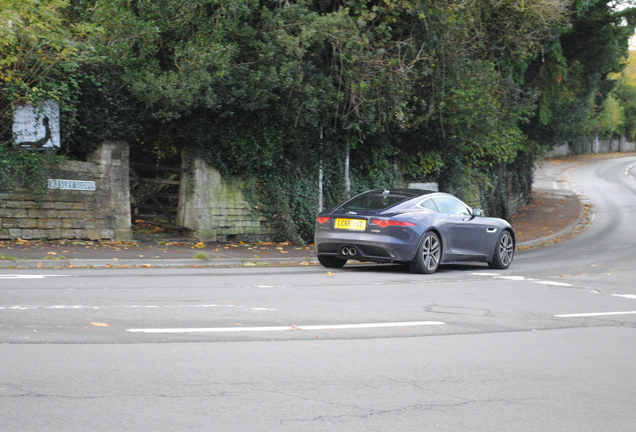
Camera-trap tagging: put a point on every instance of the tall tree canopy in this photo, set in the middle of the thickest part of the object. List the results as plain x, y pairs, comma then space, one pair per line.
466, 93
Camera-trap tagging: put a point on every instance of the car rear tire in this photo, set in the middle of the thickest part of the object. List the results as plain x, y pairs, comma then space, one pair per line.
331, 261
428, 254
504, 251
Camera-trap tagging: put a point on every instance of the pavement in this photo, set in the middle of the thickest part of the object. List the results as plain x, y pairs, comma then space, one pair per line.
554, 214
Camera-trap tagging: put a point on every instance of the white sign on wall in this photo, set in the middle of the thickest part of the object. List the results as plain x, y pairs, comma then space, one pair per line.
37, 127
71, 184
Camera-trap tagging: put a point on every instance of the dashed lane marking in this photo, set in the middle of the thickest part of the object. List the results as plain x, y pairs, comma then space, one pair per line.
286, 328
629, 296
28, 276
523, 278
593, 314
62, 307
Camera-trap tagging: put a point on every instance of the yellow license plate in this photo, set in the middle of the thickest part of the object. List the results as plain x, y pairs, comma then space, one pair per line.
351, 224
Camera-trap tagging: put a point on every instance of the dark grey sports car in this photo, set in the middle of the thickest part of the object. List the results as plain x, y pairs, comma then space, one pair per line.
420, 228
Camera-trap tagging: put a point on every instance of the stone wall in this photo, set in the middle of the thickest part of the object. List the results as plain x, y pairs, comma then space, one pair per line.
102, 214
215, 209
603, 145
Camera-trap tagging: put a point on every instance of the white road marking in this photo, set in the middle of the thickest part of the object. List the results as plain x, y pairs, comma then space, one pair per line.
59, 307
628, 169
286, 328
515, 278
26, 276
523, 278
595, 314
629, 296
553, 283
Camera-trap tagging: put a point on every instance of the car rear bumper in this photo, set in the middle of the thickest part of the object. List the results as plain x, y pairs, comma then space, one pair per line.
363, 247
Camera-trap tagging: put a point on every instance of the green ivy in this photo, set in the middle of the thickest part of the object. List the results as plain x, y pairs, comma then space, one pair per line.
28, 169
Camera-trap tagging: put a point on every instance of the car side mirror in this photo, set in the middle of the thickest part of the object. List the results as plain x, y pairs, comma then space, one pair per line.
477, 212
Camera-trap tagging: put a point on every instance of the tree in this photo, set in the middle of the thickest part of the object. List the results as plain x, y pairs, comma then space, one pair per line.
39, 51
574, 68
460, 92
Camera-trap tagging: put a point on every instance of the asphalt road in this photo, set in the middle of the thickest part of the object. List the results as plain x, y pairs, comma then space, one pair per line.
547, 345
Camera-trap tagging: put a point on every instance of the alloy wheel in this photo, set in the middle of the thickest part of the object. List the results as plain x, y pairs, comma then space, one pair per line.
506, 249
431, 252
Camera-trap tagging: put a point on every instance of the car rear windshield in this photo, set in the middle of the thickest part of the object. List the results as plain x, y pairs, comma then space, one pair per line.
377, 200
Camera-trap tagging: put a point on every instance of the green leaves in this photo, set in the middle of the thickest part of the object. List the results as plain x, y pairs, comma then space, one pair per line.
41, 49
430, 89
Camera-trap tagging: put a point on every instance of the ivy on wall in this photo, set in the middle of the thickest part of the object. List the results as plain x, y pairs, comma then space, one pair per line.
28, 169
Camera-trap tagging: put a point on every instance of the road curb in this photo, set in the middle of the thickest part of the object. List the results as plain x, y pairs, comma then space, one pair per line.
572, 227
155, 263
569, 229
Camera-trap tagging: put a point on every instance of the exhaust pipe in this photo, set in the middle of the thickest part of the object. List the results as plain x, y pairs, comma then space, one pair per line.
351, 251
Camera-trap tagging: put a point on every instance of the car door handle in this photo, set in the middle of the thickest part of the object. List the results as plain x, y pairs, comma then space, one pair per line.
492, 230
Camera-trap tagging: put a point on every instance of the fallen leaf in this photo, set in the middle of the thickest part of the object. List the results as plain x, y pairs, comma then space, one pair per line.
51, 253
39, 265
145, 265
330, 274
284, 252
96, 324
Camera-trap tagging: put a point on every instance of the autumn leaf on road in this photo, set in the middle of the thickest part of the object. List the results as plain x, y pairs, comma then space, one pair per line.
39, 265
96, 324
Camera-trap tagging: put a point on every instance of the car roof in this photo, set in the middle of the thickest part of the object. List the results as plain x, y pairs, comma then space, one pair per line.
379, 199
406, 191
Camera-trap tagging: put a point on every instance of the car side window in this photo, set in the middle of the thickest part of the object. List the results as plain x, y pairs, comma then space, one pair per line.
429, 204
450, 205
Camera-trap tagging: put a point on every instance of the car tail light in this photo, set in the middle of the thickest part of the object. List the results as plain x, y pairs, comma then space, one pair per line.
385, 223
323, 219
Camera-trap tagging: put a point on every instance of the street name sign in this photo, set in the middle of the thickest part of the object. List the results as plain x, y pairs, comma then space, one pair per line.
71, 185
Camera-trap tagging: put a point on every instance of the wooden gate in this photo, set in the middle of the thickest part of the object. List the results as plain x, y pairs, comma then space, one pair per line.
154, 191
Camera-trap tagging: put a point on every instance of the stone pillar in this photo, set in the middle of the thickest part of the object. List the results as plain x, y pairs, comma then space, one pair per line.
197, 200
112, 158
215, 209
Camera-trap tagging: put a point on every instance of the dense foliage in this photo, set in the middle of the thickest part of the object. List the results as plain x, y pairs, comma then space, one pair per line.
616, 115
465, 93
